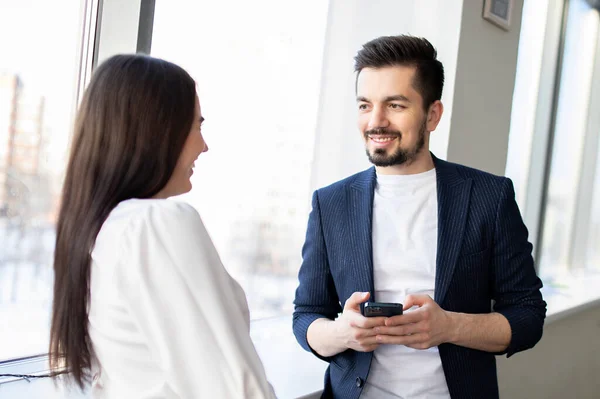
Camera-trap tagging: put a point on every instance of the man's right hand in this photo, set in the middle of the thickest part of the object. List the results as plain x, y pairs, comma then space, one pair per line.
356, 331
351, 330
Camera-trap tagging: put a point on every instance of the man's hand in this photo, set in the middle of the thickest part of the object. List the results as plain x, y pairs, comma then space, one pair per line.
422, 328
356, 331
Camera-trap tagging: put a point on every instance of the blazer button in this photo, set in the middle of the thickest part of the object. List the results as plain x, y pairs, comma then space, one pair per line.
359, 382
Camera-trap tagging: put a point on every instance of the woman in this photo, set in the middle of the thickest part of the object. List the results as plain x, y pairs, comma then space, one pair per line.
142, 304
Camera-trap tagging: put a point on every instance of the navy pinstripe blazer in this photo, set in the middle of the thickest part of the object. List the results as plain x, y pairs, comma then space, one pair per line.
483, 256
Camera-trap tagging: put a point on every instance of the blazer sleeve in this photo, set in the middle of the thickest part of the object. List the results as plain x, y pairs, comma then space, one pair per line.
316, 296
183, 303
516, 286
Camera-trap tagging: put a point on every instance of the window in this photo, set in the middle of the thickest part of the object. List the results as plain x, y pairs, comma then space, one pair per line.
533, 107
592, 253
565, 189
525, 97
39, 71
554, 151
258, 82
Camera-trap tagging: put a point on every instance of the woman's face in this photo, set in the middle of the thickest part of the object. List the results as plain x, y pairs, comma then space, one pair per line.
180, 183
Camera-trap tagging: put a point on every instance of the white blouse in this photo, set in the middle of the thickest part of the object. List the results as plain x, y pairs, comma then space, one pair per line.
166, 320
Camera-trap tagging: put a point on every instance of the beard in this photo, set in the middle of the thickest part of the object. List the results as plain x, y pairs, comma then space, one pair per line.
380, 156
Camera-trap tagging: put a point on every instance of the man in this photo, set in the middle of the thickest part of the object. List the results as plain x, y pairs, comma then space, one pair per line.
445, 240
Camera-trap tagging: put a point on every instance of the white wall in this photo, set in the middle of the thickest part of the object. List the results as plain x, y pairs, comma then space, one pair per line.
339, 150
564, 364
484, 85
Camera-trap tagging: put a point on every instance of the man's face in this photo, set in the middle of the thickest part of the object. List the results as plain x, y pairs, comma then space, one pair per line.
391, 116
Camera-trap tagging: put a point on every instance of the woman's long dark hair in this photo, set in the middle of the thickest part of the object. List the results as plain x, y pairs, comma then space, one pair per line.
130, 129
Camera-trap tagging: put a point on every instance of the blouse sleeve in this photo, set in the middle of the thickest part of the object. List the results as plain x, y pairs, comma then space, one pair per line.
181, 297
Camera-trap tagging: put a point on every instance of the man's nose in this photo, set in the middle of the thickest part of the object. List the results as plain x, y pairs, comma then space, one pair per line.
378, 119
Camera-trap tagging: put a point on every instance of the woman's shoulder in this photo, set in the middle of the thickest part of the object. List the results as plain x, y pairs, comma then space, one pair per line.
139, 217
154, 211
145, 207
154, 225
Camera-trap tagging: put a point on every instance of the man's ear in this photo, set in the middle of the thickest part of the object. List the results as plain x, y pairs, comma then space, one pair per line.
434, 114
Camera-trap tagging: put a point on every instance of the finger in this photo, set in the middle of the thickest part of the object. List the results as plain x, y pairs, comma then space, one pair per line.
368, 322
406, 340
416, 300
356, 299
360, 333
420, 346
406, 329
366, 332
369, 348
368, 341
407, 318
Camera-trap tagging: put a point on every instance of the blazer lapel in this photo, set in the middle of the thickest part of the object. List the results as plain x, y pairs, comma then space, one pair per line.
360, 222
453, 192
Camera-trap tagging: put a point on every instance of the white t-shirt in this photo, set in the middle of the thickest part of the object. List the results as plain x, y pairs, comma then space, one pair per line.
165, 318
404, 261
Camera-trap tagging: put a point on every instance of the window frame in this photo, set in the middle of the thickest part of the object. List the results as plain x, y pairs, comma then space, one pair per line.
542, 165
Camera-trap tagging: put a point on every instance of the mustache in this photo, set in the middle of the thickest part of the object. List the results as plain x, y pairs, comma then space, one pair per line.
383, 131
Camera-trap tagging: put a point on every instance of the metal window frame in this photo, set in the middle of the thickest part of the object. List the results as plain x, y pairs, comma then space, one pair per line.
545, 130
87, 54
535, 182
124, 27
533, 186
145, 26
580, 238
31, 365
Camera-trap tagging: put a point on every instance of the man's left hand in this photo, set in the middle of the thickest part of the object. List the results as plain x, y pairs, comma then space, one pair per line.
422, 328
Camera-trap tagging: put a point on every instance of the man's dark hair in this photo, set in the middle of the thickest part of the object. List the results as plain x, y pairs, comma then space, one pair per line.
405, 50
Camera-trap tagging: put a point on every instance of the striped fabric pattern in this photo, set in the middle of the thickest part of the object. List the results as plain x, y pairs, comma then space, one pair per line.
483, 256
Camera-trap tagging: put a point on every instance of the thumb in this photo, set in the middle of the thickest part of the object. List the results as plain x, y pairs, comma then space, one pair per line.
356, 299
415, 300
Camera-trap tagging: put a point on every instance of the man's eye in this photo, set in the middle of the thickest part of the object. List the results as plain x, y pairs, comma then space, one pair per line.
397, 106
362, 106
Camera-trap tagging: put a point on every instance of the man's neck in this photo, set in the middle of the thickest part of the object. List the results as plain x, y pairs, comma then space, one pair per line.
420, 164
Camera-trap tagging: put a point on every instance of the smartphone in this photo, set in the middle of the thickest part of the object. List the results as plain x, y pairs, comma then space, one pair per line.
381, 309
